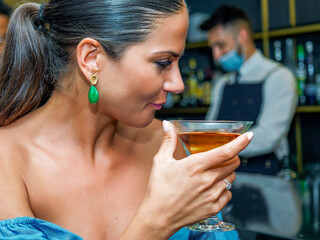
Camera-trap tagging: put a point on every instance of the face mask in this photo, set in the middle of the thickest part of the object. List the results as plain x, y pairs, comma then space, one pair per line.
231, 61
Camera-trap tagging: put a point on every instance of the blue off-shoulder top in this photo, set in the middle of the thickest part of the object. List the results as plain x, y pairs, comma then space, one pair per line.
23, 228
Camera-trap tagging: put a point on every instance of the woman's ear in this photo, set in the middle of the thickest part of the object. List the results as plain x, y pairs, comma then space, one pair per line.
87, 53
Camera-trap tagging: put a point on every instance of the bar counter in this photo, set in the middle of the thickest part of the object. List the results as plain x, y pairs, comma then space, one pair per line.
271, 207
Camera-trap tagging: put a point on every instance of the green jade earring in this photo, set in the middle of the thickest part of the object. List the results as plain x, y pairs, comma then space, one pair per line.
93, 92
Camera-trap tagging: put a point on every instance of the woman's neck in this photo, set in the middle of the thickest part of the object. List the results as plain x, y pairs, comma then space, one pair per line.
75, 121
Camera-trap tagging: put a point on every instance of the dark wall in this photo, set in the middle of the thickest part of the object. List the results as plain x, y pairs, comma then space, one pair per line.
307, 11
279, 16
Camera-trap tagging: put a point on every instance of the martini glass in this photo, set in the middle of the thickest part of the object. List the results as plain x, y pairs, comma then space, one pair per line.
200, 136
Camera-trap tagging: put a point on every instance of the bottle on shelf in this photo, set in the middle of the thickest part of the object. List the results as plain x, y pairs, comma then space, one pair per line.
317, 76
192, 83
181, 100
277, 50
317, 79
289, 59
207, 86
201, 78
301, 75
310, 89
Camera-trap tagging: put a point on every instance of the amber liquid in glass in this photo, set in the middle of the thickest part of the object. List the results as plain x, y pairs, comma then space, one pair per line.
197, 142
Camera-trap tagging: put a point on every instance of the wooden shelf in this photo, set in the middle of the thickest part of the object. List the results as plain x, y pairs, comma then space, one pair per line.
197, 45
256, 36
308, 109
295, 30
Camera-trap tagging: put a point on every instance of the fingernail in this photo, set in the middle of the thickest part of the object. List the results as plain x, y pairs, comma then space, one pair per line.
249, 135
165, 125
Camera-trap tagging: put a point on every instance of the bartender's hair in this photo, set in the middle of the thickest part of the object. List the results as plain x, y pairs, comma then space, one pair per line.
227, 16
41, 43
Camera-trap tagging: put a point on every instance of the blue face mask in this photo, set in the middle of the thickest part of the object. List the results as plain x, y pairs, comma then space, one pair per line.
231, 61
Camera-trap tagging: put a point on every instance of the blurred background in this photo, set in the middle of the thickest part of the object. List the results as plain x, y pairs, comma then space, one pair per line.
287, 31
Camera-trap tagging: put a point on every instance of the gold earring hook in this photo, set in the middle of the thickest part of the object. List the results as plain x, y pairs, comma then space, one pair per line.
93, 79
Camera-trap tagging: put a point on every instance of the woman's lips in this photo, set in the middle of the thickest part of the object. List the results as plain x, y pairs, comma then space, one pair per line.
157, 106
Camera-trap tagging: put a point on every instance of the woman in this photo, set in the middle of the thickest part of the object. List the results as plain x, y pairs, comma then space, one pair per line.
96, 168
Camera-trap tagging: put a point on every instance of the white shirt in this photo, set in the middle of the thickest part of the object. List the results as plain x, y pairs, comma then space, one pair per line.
279, 101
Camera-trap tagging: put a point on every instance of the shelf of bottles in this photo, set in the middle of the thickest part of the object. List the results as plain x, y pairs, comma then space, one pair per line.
302, 56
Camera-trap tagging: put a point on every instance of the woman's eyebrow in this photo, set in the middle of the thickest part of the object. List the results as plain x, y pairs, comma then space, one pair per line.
174, 54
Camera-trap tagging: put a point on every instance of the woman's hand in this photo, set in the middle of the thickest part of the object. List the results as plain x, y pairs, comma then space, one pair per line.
183, 192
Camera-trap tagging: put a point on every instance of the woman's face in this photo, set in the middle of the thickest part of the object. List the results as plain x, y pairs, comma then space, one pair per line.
133, 88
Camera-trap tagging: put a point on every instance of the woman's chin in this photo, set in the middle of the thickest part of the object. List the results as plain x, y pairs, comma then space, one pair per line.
147, 122
141, 121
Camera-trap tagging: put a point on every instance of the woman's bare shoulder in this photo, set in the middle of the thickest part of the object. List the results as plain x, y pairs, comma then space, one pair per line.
12, 140
13, 154
10, 145
13, 193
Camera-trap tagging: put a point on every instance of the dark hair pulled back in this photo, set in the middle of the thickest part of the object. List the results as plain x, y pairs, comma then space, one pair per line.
39, 50
224, 16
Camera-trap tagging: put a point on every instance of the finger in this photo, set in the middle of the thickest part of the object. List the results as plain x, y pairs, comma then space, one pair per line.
216, 173
169, 141
228, 162
219, 186
213, 181
226, 196
227, 181
217, 204
230, 178
217, 156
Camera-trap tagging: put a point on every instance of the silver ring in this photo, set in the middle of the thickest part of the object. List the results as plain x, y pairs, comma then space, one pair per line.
229, 185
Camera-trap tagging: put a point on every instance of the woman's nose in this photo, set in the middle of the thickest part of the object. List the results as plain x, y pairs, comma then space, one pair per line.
174, 82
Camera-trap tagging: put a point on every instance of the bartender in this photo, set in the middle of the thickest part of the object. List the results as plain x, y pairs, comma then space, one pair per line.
253, 88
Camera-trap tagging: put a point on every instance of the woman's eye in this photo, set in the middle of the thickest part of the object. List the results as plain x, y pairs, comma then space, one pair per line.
164, 64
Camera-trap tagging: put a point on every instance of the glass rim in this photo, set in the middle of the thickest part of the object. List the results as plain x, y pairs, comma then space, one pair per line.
211, 126
210, 121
